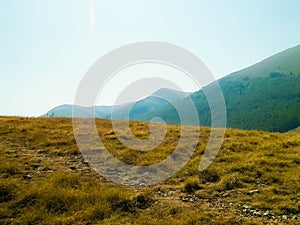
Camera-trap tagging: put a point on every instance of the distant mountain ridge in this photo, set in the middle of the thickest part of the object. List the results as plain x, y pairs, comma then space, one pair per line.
137, 110
66, 111
264, 96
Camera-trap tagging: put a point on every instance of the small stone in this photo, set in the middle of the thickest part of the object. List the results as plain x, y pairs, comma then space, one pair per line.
72, 168
256, 213
246, 207
27, 177
284, 217
184, 199
40, 169
225, 195
253, 192
216, 193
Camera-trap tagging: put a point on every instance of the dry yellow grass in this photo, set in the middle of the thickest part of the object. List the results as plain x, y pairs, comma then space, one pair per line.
255, 178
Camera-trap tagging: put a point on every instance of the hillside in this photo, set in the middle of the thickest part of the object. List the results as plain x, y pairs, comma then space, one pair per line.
255, 179
285, 62
265, 96
143, 109
296, 130
139, 110
66, 111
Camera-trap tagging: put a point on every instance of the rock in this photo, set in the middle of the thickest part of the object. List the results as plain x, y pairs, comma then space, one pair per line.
245, 210
72, 168
225, 195
284, 217
27, 177
253, 192
246, 206
257, 213
216, 193
183, 199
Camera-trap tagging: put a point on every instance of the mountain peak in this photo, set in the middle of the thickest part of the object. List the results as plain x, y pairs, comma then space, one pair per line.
285, 62
170, 94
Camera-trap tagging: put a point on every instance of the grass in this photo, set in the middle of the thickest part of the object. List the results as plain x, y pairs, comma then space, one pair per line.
45, 180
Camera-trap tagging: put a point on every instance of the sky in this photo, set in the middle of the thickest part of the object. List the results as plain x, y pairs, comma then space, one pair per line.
46, 46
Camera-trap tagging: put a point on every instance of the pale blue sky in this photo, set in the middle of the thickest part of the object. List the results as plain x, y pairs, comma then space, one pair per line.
46, 46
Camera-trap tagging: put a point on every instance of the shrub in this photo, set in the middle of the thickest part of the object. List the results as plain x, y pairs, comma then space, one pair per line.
66, 180
209, 175
131, 204
230, 183
191, 185
6, 194
143, 201
56, 205
100, 212
28, 200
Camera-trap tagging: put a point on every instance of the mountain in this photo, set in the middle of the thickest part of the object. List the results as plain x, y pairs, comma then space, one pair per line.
265, 96
139, 110
66, 111
143, 109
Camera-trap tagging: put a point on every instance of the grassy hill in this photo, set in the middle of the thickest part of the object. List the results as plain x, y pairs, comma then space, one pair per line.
255, 179
265, 96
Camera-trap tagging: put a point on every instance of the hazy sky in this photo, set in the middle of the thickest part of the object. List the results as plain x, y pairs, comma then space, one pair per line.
46, 46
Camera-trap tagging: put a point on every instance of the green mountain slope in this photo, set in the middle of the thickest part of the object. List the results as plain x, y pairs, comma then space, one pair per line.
265, 96
143, 110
